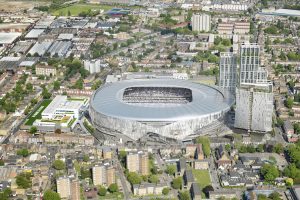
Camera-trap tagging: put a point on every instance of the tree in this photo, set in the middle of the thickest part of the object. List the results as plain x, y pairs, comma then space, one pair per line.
154, 170
260, 148
102, 191
275, 196
46, 94
269, 172
289, 102
289, 182
279, 122
23, 152
57, 131
86, 158
51, 195
205, 144
166, 191
29, 87
113, 188
56, 85
153, 179
292, 171
5, 194
134, 178
208, 189
171, 169
177, 183
79, 84
278, 148
184, 195
85, 173
262, 197
115, 46
2, 162
59, 165
227, 147
33, 129
23, 180
96, 85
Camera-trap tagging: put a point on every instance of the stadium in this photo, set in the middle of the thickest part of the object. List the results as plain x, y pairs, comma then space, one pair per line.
170, 108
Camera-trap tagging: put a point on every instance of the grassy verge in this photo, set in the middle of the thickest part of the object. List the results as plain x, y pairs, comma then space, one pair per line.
115, 196
202, 178
37, 113
88, 126
71, 122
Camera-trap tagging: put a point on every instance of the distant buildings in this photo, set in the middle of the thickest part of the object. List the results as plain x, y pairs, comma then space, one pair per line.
231, 28
228, 71
103, 174
149, 188
94, 66
138, 162
201, 22
67, 138
45, 70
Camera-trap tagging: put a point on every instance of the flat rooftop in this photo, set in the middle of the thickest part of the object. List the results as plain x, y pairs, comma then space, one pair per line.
63, 103
8, 38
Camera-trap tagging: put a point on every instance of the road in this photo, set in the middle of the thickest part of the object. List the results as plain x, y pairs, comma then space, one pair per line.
165, 177
213, 173
125, 184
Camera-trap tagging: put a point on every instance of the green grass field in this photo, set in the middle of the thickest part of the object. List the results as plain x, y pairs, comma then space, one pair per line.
202, 178
36, 114
115, 196
75, 9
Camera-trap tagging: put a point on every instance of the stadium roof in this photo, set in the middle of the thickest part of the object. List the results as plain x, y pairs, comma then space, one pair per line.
108, 100
281, 12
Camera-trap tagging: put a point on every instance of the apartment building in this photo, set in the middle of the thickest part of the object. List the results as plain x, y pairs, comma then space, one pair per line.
103, 174
201, 22
138, 162
228, 71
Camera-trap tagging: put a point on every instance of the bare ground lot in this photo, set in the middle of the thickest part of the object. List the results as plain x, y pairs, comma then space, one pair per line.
13, 6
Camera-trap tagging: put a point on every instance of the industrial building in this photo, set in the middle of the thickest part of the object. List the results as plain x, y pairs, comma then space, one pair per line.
8, 38
60, 48
40, 48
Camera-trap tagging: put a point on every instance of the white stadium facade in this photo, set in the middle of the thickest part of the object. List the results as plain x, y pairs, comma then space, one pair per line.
167, 107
